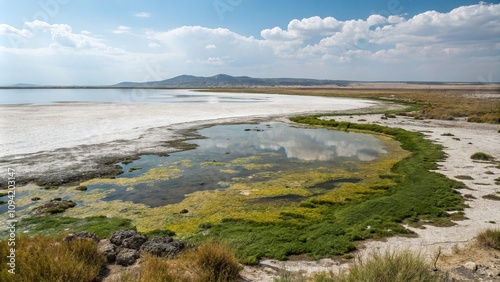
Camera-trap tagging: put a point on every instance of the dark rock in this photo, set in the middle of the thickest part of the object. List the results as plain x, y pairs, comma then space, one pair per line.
184, 211
163, 247
106, 248
128, 239
80, 236
126, 257
134, 242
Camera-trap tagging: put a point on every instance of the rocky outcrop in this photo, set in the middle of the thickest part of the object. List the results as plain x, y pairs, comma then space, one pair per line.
126, 246
163, 247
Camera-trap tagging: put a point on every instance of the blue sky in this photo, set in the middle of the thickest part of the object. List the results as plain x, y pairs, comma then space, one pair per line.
94, 42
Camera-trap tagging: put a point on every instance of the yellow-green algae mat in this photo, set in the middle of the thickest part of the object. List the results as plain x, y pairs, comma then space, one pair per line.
241, 200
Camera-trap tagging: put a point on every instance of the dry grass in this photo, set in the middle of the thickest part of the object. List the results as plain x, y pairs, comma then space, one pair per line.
387, 266
211, 262
489, 238
49, 259
478, 105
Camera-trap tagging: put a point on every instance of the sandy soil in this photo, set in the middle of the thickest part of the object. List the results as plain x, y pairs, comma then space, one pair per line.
58, 143
467, 139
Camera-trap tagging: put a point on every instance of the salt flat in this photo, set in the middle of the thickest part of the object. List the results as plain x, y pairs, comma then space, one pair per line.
58, 141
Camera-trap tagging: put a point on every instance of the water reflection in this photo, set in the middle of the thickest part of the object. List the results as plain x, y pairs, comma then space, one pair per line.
232, 152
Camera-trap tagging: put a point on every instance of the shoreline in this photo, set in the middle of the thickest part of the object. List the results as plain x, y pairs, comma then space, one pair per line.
59, 144
482, 213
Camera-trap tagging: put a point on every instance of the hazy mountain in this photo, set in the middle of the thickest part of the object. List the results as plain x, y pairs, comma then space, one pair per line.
224, 80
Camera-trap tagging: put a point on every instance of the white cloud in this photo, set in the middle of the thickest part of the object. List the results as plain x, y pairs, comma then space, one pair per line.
62, 35
121, 29
86, 32
459, 45
143, 15
6, 29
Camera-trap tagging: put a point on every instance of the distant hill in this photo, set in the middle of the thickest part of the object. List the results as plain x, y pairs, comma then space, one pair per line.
24, 85
224, 80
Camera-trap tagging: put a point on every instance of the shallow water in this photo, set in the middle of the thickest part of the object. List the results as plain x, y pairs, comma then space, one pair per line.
236, 153
49, 96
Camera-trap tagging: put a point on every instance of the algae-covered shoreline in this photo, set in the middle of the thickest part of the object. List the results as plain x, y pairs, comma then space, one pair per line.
318, 223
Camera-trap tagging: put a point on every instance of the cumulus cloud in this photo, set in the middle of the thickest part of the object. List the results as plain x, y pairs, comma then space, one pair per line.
461, 44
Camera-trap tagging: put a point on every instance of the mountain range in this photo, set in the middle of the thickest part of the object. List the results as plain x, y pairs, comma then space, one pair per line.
224, 80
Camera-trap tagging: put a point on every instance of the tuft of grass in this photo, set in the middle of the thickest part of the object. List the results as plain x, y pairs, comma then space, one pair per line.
464, 177
489, 238
210, 262
216, 262
491, 197
497, 181
482, 156
49, 259
387, 266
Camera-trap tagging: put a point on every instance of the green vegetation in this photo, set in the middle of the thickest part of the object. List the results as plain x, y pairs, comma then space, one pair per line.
388, 266
56, 225
489, 238
134, 168
482, 156
492, 197
81, 188
49, 259
464, 177
418, 195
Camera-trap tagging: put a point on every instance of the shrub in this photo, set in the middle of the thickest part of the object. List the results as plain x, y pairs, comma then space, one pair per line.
49, 259
489, 238
388, 266
216, 262
481, 156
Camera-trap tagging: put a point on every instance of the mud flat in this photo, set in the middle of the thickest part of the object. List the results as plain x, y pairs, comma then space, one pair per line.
53, 144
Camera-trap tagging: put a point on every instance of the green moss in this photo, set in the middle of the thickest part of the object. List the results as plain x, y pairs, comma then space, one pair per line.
81, 188
134, 168
55, 225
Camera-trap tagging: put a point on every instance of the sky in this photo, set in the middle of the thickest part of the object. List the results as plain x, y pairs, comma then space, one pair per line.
95, 42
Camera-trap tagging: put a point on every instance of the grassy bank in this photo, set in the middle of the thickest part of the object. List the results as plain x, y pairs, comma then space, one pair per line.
418, 196
476, 104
